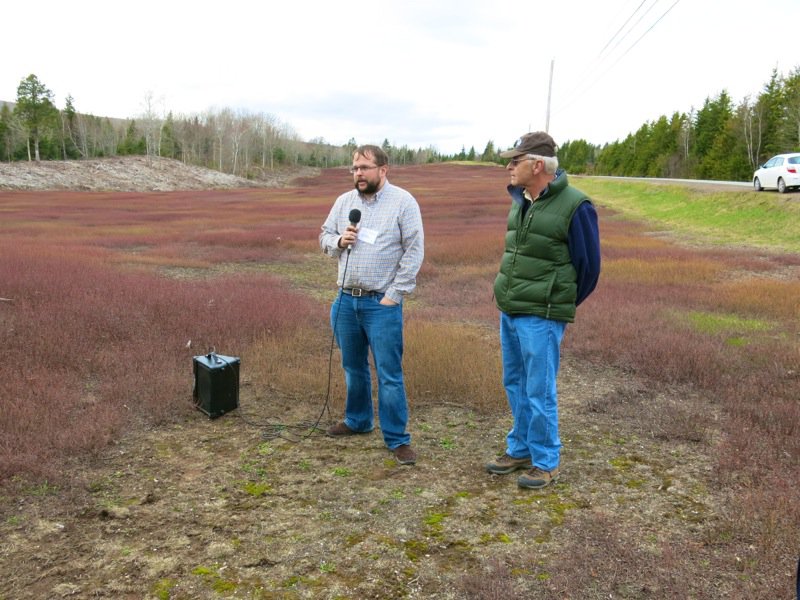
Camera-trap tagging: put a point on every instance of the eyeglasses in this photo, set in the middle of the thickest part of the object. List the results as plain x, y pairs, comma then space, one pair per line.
357, 168
515, 161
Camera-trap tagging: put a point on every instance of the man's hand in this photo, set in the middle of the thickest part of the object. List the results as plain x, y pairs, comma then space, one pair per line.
348, 237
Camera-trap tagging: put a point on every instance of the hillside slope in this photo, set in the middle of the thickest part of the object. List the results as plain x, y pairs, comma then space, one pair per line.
132, 174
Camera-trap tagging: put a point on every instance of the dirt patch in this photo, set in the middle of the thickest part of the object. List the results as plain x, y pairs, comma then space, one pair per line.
214, 508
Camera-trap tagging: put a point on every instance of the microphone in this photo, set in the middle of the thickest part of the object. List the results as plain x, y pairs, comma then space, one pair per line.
355, 218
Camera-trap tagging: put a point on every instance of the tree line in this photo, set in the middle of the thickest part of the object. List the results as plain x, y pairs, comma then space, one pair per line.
232, 141
720, 140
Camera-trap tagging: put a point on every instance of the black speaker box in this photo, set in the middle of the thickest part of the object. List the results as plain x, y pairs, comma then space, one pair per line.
216, 383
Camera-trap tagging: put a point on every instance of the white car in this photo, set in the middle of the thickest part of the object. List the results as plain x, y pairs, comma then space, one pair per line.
780, 172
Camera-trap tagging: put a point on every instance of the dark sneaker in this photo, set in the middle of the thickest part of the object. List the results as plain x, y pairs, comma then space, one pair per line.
508, 464
536, 478
405, 455
340, 429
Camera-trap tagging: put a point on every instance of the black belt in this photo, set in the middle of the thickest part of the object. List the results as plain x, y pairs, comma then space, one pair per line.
358, 292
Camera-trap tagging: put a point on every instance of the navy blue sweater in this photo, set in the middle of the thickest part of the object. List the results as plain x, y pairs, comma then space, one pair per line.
583, 241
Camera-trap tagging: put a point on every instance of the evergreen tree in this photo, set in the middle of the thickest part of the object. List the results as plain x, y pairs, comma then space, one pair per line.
133, 142
35, 110
69, 131
791, 95
661, 147
169, 147
489, 153
771, 109
710, 122
675, 164
720, 161
576, 156
6, 133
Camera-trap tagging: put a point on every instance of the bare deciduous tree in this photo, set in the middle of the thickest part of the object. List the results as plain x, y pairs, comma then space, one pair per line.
151, 124
751, 118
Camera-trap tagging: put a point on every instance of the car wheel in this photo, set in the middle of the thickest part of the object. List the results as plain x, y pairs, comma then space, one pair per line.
781, 185
757, 185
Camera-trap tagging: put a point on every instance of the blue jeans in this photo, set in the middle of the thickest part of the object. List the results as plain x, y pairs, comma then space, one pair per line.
531, 347
361, 324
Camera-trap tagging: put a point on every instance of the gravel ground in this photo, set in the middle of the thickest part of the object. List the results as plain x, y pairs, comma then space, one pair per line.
131, 174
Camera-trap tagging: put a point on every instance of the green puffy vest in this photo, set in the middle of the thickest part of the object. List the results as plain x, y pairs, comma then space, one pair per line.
536, 274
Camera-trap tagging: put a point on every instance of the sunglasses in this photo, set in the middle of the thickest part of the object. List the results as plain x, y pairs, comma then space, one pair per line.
515, 161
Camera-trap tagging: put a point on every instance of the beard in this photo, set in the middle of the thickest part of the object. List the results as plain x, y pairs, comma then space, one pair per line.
369, 189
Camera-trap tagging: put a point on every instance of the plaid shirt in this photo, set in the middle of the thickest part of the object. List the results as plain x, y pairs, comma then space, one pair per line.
391, 263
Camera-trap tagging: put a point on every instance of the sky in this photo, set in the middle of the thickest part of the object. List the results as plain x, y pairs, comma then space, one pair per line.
420, 73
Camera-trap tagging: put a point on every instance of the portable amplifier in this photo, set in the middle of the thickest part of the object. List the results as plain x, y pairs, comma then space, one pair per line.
216, 383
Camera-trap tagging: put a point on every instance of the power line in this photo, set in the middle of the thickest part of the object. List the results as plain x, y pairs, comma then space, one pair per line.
590, 71
639, 20
620, 29
574, 98
646, 32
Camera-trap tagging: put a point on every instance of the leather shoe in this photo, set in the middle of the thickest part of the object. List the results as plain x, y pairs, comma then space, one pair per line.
339, 430
537, 478
508, 464
405, 455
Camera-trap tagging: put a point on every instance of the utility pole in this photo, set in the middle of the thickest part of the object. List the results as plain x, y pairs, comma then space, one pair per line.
549, 94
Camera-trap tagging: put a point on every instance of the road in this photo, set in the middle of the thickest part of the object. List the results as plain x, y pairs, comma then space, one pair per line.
711, 182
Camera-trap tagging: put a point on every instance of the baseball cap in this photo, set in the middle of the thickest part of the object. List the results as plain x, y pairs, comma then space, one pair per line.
536, 142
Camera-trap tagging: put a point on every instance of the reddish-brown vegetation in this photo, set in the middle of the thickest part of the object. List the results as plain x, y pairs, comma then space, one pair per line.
106, 296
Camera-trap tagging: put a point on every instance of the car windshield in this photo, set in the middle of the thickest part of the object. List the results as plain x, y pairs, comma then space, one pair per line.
794, 160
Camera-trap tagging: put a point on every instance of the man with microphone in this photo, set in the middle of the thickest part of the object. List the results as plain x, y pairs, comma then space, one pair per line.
375, 232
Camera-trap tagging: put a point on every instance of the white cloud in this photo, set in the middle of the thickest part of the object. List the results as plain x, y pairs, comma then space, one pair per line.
446, 73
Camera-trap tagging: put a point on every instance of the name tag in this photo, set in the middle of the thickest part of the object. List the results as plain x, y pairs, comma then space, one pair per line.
365, 234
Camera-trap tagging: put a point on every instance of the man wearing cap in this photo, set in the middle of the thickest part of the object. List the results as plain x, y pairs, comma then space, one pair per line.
551, 263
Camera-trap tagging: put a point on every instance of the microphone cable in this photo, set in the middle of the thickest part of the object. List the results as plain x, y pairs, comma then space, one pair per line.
355, 218
279, 430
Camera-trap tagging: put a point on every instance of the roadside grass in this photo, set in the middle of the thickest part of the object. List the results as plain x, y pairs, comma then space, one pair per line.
736, 218
104, 293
